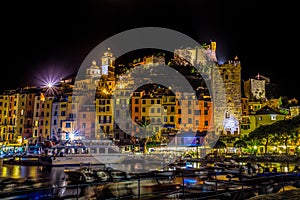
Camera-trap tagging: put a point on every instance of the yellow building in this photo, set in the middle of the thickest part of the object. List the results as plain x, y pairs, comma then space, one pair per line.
264, 116
152, 109
123, 128
7, 118
104, 117
59, 115
42, 118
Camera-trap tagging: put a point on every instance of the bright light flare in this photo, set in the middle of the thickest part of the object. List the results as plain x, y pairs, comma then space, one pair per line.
71, 136
50, 85
49, 80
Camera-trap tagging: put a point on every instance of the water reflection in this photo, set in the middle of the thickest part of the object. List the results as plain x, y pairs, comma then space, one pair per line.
55, 178
53, 174
16, 172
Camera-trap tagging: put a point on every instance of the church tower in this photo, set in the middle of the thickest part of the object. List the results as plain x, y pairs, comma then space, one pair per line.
107, 64
93, 71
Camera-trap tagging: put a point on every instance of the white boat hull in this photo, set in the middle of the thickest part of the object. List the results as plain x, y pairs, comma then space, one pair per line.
86, 159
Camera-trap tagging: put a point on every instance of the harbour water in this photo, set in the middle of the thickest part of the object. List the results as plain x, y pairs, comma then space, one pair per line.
49, 182
54, 177
35, 172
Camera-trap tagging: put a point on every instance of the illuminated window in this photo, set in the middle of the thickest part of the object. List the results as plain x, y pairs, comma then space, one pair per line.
273, 117
259, 118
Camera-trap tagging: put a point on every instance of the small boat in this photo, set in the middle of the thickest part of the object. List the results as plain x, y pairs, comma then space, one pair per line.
199, 188
81, 175
163, 172
116, 174
146, 187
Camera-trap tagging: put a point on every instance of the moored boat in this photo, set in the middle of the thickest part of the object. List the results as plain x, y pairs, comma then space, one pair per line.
87, 175
92, 152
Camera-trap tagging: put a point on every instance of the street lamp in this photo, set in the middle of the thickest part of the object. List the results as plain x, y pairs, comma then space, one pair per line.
255, 149
197, 146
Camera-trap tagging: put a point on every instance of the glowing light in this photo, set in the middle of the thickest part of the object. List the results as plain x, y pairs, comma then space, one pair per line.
49, 85
50, 79
71, 136
255, 147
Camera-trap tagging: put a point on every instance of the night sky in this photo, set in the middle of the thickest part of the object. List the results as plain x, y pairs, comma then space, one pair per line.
41, 37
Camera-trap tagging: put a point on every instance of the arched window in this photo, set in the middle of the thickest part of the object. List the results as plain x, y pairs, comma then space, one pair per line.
227, 115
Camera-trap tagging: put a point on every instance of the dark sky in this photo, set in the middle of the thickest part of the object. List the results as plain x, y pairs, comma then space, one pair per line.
56, 35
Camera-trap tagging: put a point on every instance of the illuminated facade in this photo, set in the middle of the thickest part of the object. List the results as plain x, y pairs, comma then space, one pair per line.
122, 129
228, 107
193, 114
198, 55
59, 110
104, 117
6, 117
86, 122
12, 116
264, 116
108, 64
42, 118
255, 89
29, 111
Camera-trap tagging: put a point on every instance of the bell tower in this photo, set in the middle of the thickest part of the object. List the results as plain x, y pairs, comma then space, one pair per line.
107, 64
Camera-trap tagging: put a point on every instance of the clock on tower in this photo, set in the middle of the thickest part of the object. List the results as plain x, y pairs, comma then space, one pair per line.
105, 70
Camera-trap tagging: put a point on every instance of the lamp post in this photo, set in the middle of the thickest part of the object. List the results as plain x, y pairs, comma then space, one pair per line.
197, 146
255, 149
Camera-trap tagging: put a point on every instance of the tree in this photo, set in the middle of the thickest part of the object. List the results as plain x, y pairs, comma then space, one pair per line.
252, 142
240, 144
219, 145
145, 133
263, 134
287, 130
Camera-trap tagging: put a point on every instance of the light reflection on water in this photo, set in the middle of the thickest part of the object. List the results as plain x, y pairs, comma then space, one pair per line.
34, 172
16, 172
55, 174
56, 177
